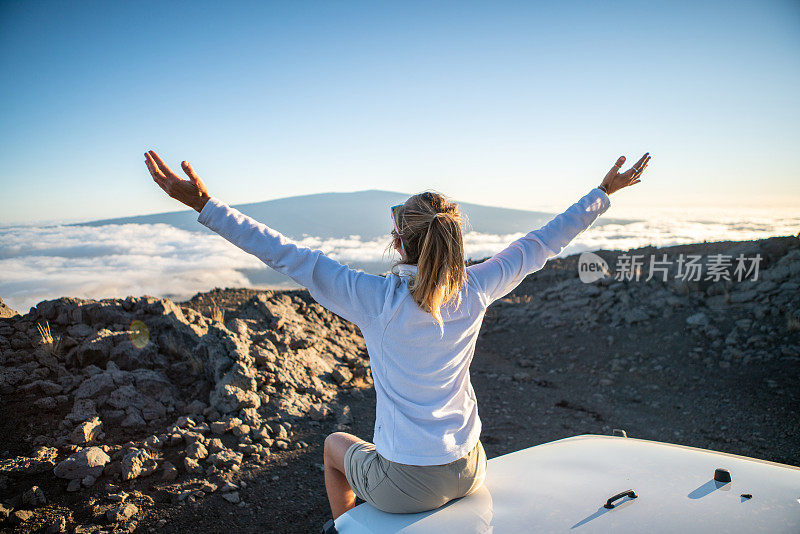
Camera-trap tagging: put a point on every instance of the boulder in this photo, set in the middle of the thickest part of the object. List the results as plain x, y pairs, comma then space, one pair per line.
153, 384
133, 419
129, 357
190, 437
196, 451
124, 397
219, 349
166, 308
34, 497
96, 349
225, 458
260, 434
698, 319
319, 411
122, 512
87, 432
262, 355
138, 463
341, 374
128, 396
192, 466
184, 422
168, 471
240, 375
45, 403
56, 526
240, 430
69, 310
82, 410
228, 398
88, 461
5, 311
99, 384
250, 417
80, 330
154, 442
96, 313
214, 356
281, 431
215, 445
232, 497
226, 425
208, 487
23, 516
41, 461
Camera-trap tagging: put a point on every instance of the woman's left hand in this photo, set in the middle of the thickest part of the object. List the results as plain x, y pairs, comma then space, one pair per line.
192, 192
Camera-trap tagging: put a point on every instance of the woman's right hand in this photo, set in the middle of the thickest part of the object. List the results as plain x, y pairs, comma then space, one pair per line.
192, 192
614, 180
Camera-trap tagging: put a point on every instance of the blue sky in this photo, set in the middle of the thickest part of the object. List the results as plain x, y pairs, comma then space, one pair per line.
517, 104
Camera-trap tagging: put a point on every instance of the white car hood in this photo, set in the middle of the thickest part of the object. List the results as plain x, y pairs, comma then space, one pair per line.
562, 486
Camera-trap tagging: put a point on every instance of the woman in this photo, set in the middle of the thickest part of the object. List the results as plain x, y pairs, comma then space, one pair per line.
420, 324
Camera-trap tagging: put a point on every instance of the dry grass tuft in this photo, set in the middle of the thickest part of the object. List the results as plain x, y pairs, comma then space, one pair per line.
51, 345
217, 313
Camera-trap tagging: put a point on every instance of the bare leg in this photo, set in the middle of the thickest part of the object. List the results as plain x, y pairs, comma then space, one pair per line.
340, 494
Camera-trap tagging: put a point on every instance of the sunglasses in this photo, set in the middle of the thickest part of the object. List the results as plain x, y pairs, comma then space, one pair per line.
396, 229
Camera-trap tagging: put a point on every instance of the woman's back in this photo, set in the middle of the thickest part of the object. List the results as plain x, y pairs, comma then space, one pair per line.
426, 408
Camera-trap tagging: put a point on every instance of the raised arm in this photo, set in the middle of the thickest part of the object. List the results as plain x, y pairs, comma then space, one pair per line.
500, 274
354, 295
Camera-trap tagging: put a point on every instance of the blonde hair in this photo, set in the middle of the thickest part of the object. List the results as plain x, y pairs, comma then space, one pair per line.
430, 231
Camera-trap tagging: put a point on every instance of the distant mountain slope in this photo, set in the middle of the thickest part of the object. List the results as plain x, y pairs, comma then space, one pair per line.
362, 213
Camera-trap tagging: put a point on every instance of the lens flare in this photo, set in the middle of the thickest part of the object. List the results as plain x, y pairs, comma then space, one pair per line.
139, 334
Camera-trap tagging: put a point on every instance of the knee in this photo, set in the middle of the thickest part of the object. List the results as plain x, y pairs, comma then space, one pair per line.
330, 445
326, 448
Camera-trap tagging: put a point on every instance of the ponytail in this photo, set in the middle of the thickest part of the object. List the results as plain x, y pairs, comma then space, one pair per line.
430, 231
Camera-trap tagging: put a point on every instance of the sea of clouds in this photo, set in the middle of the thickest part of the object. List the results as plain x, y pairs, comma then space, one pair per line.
46, 262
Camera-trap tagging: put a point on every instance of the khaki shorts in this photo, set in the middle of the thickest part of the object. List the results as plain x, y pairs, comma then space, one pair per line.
402, 489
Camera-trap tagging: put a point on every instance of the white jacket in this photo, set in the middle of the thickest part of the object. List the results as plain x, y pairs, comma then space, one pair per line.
426, 412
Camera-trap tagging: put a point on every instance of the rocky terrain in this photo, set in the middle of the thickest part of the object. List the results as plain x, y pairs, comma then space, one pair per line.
142, 414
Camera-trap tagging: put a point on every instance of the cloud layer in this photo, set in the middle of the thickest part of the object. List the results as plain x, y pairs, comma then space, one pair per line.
39, 263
